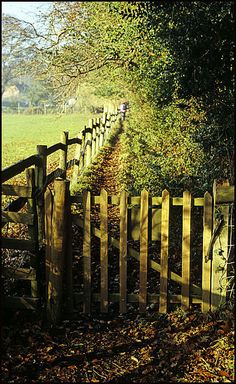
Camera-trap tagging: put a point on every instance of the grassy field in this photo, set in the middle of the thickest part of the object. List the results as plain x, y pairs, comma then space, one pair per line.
22, 133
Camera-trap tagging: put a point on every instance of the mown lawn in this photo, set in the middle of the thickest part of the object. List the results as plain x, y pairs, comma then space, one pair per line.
22, 133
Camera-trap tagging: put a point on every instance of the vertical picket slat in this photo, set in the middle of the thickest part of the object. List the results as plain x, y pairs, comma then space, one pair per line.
104, 250
220, 252
185, 292
87, 251
143, 251
206, 264
123, 251
164, 251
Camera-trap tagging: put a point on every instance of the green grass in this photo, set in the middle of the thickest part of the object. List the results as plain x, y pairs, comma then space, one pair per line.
22, 133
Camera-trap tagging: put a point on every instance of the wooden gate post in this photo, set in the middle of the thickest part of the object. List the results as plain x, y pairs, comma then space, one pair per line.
220, 249
59, 235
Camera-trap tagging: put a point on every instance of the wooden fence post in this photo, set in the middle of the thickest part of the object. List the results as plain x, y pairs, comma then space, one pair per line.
104, 250
33, 232
40, 177
107, 127
87, 251
94, 138
185, 291
59, 228
143, 251
78, 160
165, 208
123, 250
220, 251
63, 154
206, 263
98, 134
89, 144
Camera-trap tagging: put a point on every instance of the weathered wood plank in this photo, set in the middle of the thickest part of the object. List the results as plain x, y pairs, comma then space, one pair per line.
22, 245
48, 202
16, 217
224, 194
104, 250
40, 178
123, 251
17, 190
20, 166
133, 298
33, 233
206, 265
220, 250
21, 302
143, 251
19, 273
75, 140
54, 148
164, 251
87, 250
77, 157
63, 153
58, 252
89, 144
133, 253
185, 289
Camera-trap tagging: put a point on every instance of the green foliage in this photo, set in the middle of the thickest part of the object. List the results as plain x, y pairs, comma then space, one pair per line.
164, 149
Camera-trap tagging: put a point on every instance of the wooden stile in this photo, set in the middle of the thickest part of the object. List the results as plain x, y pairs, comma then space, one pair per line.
123, 251
104, 250
185, 292
164, 251
220, 251
206, 264
87, 251
143, 251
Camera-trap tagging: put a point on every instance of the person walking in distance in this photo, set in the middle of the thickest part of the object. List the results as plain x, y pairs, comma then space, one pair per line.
123, 110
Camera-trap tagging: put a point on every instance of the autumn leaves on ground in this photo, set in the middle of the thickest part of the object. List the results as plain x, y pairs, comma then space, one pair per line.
132, 348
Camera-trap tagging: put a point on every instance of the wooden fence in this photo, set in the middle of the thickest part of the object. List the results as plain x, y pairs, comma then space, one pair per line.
30, 198
209, 294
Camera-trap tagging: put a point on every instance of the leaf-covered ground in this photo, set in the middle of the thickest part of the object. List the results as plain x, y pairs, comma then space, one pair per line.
177, 347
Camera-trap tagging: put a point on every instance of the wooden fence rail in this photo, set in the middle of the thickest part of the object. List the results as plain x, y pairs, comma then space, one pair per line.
88, 144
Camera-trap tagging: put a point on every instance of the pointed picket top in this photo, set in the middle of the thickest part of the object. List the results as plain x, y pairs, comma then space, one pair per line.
103, 192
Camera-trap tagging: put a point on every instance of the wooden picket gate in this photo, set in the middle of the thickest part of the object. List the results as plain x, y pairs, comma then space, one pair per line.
151, 215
